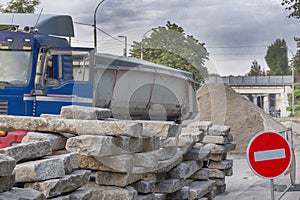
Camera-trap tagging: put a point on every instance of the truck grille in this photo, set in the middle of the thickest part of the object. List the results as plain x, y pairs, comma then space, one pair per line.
3, 107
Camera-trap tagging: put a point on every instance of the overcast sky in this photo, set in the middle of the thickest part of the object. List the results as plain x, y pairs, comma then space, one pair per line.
235, 32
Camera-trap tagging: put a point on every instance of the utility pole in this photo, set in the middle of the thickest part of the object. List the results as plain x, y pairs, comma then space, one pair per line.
125, 49
293, 79
95, 25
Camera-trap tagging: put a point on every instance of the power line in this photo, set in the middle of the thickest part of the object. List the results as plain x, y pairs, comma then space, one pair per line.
102, 31
239, 46
233, 59
237, 54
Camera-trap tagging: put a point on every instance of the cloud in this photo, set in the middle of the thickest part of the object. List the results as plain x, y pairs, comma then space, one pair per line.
254, 24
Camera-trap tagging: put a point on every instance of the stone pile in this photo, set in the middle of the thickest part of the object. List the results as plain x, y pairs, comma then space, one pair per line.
83, 154
39, 174
219, 140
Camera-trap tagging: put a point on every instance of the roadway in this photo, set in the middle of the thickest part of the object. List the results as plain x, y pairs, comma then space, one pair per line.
244, 184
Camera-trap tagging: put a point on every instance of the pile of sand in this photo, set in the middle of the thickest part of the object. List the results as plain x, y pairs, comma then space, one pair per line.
220, 104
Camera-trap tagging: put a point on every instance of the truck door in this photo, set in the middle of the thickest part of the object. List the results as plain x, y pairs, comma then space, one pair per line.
63, 78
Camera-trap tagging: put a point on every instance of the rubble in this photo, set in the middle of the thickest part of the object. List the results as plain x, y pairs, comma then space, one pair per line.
130, 160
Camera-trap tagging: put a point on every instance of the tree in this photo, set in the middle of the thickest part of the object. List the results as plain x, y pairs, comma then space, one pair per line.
277, 58
20, 6
255, 69
295, 63
170, 46
293, 6
214, 74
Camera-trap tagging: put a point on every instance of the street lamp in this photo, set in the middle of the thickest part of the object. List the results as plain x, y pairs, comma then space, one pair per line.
142, 42
95, 25
125, 49
293, 83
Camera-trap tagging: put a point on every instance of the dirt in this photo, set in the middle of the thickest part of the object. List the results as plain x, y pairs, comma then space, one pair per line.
221, 105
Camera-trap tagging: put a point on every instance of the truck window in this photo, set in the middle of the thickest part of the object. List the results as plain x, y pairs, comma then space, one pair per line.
70, 65
81, 67
15, 66
50, 70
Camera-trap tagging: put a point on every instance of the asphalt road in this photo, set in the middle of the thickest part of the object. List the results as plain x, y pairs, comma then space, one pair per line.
244, 184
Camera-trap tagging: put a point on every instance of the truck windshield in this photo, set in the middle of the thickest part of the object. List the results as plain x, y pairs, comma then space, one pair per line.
15, 67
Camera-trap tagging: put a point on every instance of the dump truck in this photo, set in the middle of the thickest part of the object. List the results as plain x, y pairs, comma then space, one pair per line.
40, 72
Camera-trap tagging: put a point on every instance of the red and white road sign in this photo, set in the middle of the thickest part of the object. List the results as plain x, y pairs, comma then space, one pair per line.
269, 155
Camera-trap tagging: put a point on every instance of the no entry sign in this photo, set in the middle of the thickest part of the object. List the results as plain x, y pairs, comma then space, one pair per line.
269, 155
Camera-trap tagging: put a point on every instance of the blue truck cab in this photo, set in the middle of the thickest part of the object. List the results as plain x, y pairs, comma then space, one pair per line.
26, 88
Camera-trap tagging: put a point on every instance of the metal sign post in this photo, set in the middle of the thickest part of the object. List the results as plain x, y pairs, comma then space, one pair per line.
272, 189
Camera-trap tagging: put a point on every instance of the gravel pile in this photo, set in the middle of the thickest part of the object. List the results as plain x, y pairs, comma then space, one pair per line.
220, 104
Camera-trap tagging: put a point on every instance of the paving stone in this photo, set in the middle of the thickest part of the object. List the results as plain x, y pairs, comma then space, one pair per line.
185, 169
167, 165
160, 129
218, 139
149, 144
199, 189
218, 130
110, 192
57, 141
119, 163
70, 161
169, 142
169, 186
148, 160
218, 181
220, 149
145, 197
217, 157
117, 179
67, 135
76, 195
224, 164
39, 170
60, 152
99, 146
144, 186
189, 130
216, 173
221, 189
228, 172
22, 194
202, 174
158, 177
182, 194
136, 144
85, 113
165, 153
204, 125
158, 196
185, 143
50, 116
197, 135
28, 151
188, 181
213, 193
7, 165
129, 144
68, 183
92, 145
6, 182
74, 126
197, 153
